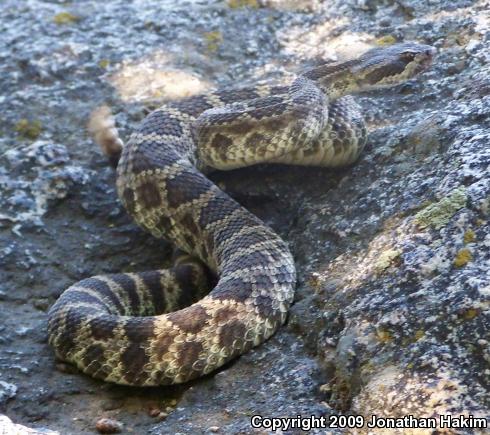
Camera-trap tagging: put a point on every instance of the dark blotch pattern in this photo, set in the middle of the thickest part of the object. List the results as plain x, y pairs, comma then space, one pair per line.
188, 353
234, 330
183, 275
92, 357
137, 330
103, 328
220, 141
128, 286
225, 314
153, 282
265, 309
143, 163
275, 125
392, 69
235, 289
149, 195
134, 359
188, 221
190, 320
185, 187
165, 224
162, 344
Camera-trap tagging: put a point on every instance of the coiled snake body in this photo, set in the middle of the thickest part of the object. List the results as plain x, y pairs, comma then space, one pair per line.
132, 328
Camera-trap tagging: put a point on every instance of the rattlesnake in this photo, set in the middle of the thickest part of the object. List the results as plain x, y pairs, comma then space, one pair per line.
131, 328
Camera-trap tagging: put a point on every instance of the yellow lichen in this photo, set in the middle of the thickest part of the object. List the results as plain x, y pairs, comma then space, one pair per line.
386, 259
420, 333
234, 4
384, 335
386, 40
65, 18
104, 63
28, 129
462, 257
469, 237
438, 214
213, 40
470, 314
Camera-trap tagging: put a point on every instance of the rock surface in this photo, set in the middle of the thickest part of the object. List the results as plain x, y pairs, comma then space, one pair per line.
393, 303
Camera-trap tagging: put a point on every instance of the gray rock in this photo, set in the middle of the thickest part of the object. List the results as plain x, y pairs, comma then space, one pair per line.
8, 427
7, 391
392, 308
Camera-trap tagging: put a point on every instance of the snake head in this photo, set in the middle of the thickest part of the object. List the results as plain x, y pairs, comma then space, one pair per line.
388, 66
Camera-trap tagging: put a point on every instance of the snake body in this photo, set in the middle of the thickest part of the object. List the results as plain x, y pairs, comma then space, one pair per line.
231, 288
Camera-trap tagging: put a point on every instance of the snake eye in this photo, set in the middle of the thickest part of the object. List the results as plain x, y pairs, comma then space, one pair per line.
408, 56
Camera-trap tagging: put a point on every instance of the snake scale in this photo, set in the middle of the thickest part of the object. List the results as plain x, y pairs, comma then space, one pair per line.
231, 287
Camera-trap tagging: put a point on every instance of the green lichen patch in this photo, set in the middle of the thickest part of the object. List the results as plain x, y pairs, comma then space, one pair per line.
419, 334
437, 215
463, 257
65, 18
104, 63
213, 40
386, 40
386, 259
234, 4
28, 129
470, 313
384, 336
469, 236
